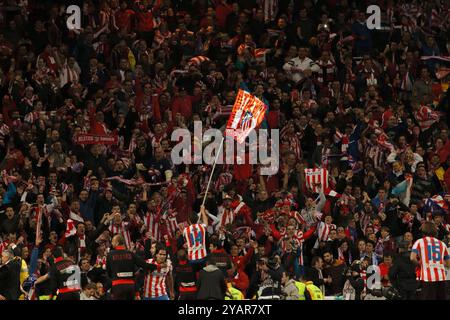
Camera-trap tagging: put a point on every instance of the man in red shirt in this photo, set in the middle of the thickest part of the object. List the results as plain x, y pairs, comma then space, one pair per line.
182, 104
124, 17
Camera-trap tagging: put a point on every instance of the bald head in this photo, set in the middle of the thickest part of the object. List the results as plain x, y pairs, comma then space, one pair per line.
117, 240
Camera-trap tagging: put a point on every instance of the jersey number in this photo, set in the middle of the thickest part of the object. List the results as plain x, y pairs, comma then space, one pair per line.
434, 253
197, 241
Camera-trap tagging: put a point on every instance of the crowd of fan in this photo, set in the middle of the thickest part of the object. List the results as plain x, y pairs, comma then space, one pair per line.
369, 105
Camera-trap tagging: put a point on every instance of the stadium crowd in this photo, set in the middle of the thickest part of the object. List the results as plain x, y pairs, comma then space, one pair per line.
369, 106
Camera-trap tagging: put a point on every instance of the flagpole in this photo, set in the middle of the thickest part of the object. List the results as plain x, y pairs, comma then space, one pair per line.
212, 171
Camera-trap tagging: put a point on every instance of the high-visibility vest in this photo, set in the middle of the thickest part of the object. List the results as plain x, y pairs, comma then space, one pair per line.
23, 275
314, 291
233, 294
301, 289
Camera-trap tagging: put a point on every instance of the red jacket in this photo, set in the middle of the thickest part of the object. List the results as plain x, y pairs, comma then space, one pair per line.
241, 281
182, 105
241, 261
124, 19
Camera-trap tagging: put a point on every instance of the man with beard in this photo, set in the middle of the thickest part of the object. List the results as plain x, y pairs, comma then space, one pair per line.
334, 269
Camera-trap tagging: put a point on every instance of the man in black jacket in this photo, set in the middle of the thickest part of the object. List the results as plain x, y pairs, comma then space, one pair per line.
121, 266
211, 282
66, 275
402, 274
77, 244
220, 257
316, 275
9, 276
184, 277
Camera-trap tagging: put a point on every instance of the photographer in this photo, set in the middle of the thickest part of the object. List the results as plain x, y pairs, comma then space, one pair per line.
402, 274
354, 284
266, 282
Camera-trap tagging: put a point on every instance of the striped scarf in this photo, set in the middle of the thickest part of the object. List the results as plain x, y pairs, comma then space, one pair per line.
328, 71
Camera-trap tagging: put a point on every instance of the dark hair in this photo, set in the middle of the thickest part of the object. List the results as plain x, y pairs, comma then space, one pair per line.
210, 260
57, 252
217, 243
429, 229
193, 218
371, 242
159, 247
314, 260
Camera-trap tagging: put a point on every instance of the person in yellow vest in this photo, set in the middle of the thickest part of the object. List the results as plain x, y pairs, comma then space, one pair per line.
21, 253
307, 290
23, 276
311, 291
233, 293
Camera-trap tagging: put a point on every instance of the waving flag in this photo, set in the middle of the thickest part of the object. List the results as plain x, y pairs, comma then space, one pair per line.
70, 229
437, 203
248, 113
426, 117
314, 177
403, 189
383, 140
442, 73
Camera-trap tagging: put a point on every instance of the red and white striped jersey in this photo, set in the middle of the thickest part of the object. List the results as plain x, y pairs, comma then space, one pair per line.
433, 253
121, 229
314, 177
324, 229
151, 223
298, 241
195, 236
155, 281
225, 216
171, 223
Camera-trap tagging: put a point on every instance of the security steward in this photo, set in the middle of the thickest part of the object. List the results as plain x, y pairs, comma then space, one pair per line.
233, 293
66, 275
121, 266
307, 289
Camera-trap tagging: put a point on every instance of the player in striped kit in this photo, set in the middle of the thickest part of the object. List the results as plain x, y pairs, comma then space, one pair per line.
195, 237
432, 256
157, 281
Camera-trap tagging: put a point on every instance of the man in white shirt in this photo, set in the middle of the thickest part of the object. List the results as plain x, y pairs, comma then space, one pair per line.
295, 67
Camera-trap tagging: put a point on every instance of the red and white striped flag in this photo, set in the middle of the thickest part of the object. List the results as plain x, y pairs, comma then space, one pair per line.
426, 117
442, 73
260, 54
343, 139
248, 113
223, 111
70, 229
383, 140
198, 60
435, 18
316, 177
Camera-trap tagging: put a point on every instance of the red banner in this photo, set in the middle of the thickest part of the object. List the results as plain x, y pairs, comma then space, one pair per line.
87, 138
